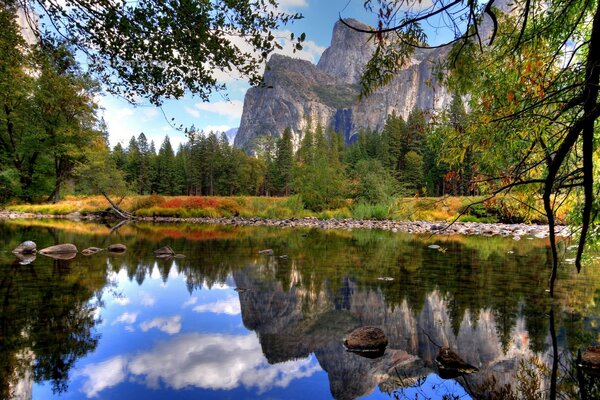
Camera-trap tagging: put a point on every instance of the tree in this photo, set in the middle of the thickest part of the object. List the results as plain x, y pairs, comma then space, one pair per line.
158, 49
535, 75
165, 176
284, 162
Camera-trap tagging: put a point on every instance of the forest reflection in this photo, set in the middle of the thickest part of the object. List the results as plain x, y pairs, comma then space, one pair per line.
483, 297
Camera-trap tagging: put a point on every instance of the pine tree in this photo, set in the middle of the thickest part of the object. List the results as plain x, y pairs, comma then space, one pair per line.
284, 163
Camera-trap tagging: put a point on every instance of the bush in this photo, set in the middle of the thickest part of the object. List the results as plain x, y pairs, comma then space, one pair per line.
370, 211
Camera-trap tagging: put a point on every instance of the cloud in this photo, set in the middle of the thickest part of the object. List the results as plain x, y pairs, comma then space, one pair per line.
190, 302
103, 375
216, 128
229, 306
194, 113
122, 300
146, 299
170, 325
231, 109
126, 318
311, 51
207, 361
293, 3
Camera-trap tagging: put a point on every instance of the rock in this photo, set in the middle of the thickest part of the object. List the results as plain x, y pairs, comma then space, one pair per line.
590, 360
179, 256
166, 250
434, 247
267, 252
61, 256
91, 250
385, 278
240, 290
366, 339
27, 247
117, 248
283, 257
297, 93
516, 237
25, 259
451, 365
66, 248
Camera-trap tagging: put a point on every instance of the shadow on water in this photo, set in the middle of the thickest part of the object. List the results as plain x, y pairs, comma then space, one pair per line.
482, 297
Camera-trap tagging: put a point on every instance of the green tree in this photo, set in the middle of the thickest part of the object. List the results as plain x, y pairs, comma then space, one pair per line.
165, 176
284, 163
157, 49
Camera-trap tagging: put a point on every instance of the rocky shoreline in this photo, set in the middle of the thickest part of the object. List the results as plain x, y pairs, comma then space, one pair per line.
516, 231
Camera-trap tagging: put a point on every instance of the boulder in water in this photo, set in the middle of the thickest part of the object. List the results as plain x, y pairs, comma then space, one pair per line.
91, 250
450, 364
164, 251
366, 339
66, 248
27, 247
117, 248
590, 360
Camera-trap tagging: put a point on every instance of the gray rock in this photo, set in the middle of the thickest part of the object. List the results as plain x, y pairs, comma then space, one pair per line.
117, 248
297, 93
166, 250
366, 338
27, 247
267, 252
25, 259
91, 250
66, 248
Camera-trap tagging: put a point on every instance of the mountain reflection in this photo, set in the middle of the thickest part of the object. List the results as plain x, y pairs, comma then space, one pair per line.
178, 324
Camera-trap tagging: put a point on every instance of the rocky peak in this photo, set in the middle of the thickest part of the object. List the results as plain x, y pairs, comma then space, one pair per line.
349, 52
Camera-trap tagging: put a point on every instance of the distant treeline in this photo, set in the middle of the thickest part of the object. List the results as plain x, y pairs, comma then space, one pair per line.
404, 159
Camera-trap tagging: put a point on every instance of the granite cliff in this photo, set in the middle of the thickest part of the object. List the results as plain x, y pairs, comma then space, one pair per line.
297, 93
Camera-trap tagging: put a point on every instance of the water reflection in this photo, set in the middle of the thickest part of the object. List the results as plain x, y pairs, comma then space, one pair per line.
107, 326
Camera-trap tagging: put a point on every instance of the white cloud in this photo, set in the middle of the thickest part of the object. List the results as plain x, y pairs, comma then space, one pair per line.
207, 361
191, 301
170, 325
216, 128
231, 109
293, 3
104, 375
151, 112
216, 362
122, 300
229, 306
311, 51
146, 299
192, 112
126, 318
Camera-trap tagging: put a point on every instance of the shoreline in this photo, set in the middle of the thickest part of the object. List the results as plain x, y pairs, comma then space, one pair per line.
414, 227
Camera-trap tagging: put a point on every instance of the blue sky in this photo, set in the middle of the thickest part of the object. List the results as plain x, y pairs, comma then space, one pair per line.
221, 113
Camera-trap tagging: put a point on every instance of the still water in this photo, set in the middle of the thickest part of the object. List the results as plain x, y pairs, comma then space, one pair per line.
133, 326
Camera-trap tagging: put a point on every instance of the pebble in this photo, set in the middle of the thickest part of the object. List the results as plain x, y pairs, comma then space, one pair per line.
419, 227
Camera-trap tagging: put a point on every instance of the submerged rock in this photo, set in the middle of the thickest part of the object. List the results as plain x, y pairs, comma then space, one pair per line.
164, 251
61, 256
590, 360
450, 364
25, 259
117, 248
179, 256
66, 248
27, 247
366, 339
91, 250
268, 252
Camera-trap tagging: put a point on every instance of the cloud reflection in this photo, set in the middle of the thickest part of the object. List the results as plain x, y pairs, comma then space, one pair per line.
170, 325
230, 306
104, 375
206, 361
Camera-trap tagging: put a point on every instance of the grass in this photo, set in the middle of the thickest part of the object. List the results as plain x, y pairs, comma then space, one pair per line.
401, 209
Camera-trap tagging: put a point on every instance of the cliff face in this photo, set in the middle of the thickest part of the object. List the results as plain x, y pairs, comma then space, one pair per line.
297, 93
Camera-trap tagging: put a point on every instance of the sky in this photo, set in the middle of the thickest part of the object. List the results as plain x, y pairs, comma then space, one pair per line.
224, 112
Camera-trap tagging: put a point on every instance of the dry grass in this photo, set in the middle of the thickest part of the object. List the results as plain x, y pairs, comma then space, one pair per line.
403, 209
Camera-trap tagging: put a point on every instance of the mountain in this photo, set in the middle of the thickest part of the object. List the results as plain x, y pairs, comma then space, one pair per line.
231, 133
297, 93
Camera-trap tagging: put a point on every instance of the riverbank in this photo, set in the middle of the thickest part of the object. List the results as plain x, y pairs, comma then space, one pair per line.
516, 231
